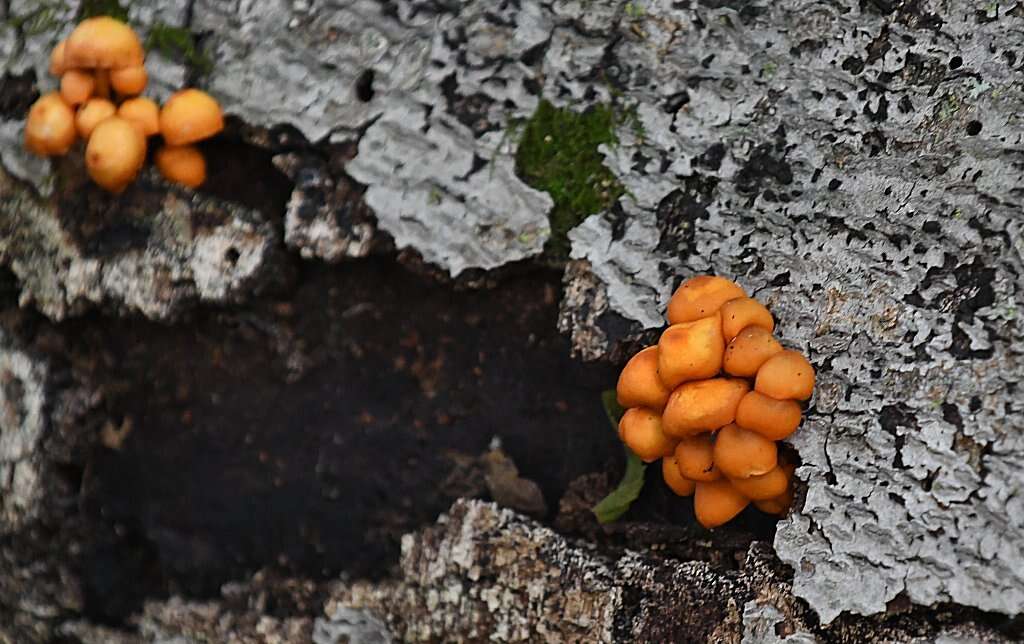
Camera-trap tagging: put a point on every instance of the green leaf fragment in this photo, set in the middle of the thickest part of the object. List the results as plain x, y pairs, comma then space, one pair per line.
615, 504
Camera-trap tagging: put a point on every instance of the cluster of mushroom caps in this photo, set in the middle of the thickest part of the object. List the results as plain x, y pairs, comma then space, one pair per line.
716, 432
102, 74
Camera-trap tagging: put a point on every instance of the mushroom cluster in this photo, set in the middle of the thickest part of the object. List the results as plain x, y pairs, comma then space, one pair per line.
102, 74
712, 398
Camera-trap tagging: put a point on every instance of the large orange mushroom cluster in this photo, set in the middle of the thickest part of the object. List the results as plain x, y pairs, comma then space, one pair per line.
712, 398
102, 74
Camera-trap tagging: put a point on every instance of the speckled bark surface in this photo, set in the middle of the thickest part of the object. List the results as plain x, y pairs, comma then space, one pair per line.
857, 165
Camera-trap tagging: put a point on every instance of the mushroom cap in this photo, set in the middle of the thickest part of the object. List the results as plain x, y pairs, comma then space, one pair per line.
703, 406
717, 502
701, 296
142, 111
129, 81
50, 126
778, 505
771, 418
764, 486
103, 43
741, 453
640, 430
695, 458
639, 384
115, 153
182, 164
92, 113
691, 351
744, 312
76, 86
745, 353
190, 115
57, 67
786, 375
674, 480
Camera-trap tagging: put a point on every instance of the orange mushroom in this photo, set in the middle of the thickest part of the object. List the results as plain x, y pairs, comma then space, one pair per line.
115, 153
129, 81
700, 297
695, 459
102, 89
673, 479
778, 505
771, 418
91, 114
189, 116
717, 502
703, 406
748, 351
142, 111
639, 384
744, 312
57, 67
182, 164
786, 375
640, 429
50, 127
763, 487
102, 43
691, 351
76, 86
741, 453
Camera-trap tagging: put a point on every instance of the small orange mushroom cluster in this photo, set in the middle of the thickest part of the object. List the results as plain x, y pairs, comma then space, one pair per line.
712, 398
101, 62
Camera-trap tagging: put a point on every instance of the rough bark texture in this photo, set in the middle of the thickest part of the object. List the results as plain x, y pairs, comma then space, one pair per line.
857, 164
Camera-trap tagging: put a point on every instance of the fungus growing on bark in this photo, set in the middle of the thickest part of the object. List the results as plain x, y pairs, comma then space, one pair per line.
115, 153
182, 164
91, 114
189, 116
76, 86
129, 81
143, 112
50, 127
57, 60
732, 391
102, 43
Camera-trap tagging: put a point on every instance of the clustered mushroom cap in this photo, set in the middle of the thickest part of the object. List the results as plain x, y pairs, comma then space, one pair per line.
103, 43
640, 429
115, 153
91, 114
763, 487
703, 406
717, 502
741, 453
639, 384
143, 112
695, 459
182, 163
771, 418
129, 81
57, 60
778, 505
189, 116
786, 375
742, 313
50, 127
748, 351
676, 481
700, 297
691, 351
76, 86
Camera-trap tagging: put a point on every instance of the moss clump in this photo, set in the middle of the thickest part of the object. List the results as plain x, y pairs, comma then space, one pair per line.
44, 17
179, 44
93, 8
558, 154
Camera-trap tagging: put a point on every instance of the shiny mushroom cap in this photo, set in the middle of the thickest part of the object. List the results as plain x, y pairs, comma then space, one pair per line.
786, 375
91, 114
189, 116
778, 505
639, 384
77, 86
744, 312
182, 164
701, 296
695, 458
771, 418
115, 153
763, 487
50, 127
102, 43
691, 351
703, 406
143, 112
717, 502
641, 431
129, 81
741, 453
745, 353
673, 479
57, 67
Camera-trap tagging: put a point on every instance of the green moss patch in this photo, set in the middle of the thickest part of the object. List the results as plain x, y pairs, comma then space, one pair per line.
558, 153
93, 8
178, 44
